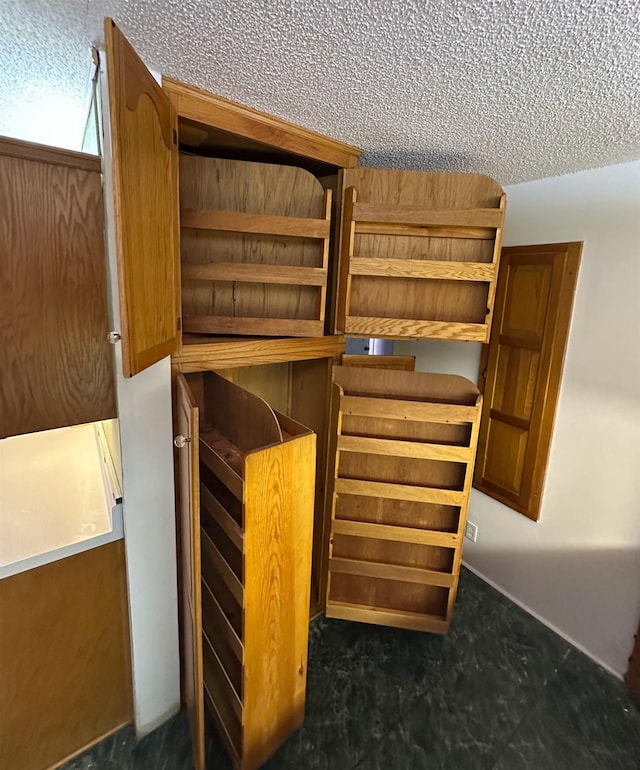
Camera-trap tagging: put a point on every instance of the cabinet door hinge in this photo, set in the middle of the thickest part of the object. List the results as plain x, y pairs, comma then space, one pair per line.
178, 324
175, 137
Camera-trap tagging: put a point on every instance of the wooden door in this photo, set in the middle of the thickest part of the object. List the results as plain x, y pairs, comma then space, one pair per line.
144, 155
187, 415
521, 371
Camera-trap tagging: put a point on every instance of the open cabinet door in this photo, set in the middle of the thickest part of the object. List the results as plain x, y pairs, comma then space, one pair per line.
419, 254
144, 155
190, 566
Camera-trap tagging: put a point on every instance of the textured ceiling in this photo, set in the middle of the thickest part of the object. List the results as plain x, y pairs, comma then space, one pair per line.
518, 89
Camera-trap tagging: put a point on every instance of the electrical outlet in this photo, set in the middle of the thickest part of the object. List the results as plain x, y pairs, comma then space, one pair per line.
471, 531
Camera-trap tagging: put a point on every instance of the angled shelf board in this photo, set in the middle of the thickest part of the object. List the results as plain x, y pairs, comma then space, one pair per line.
246, 530
419, 254
405, 449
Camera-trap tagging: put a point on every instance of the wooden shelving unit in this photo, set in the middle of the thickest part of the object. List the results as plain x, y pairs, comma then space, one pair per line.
420, 254
228, 267
405, 450
254, 248
251, 572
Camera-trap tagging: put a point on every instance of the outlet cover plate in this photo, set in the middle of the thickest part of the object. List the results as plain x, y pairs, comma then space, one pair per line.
471, 531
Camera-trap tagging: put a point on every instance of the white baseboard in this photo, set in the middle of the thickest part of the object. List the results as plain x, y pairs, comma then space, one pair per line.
545, 622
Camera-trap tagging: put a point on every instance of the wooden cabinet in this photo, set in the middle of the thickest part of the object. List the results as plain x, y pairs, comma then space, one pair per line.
246, 519
55, 361
263, 248
64, 647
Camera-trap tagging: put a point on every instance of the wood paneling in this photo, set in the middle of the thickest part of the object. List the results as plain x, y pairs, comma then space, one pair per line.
201, 106
45, 154
55, 361
187, 416
144, 156
521, 370
419, 254
201, 353
277, 626
65, 675
403, 363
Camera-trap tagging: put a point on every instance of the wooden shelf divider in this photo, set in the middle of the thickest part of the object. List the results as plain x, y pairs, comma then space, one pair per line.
398, 328
249, 273
256, 224
257, 489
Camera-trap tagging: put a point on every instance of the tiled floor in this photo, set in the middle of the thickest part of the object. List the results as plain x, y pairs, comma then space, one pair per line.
500, 691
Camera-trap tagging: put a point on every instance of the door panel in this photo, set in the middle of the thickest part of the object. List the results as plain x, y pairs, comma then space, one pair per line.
522, 371
145, 180
516, 375
190, 566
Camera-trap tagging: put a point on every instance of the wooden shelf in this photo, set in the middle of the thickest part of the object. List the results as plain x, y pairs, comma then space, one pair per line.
254, 248
405, 450
256, 493
419, 254
201, 353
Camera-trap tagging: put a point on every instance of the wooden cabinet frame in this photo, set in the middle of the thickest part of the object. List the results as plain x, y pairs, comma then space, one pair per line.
293, 374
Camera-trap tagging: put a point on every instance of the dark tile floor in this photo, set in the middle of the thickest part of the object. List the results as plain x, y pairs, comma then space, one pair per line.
500, 691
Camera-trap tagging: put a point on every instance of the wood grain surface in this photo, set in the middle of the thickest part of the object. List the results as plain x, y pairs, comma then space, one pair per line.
404, 363
204, 107
523, 365
144, 156
65, 676
278, 537
400, 229
55, 360
41, 153
256, 555
257, 216
301, 390
404, 459
247, 420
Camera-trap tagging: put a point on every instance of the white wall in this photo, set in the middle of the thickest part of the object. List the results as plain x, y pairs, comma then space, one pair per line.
578, 568
146, 440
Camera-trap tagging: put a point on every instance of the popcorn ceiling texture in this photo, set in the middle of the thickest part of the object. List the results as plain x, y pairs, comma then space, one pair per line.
517, 89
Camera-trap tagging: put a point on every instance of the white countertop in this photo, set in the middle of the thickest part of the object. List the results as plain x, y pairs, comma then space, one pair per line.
54, 497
